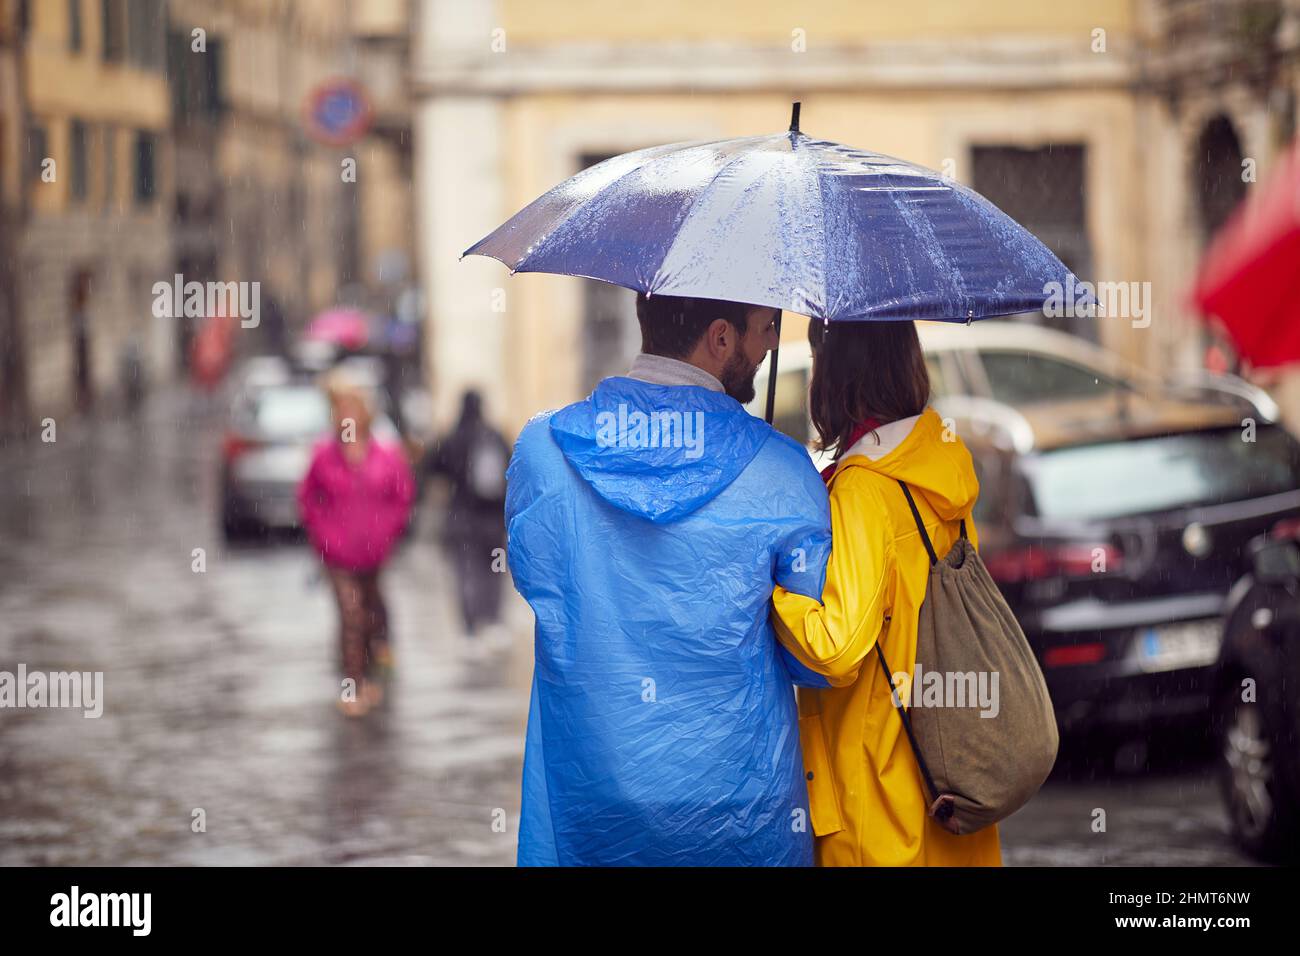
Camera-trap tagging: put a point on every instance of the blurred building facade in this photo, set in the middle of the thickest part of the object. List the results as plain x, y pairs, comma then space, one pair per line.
258, 197
13, 386
178, 135
1218, 96
90, 180
1116, 131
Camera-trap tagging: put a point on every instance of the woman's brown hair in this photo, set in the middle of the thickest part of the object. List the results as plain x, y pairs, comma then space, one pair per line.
864, 370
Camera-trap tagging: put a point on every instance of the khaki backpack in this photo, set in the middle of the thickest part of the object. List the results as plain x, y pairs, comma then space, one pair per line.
978, 768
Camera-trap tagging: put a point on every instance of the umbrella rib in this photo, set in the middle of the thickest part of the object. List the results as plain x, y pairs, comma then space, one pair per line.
826, 246
568, 218
690, 209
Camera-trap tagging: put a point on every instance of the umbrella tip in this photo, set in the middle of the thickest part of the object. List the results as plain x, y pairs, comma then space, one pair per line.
794, 116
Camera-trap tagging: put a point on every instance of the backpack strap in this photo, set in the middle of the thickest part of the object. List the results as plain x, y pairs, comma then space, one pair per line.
945, 811
907, 726
920, 525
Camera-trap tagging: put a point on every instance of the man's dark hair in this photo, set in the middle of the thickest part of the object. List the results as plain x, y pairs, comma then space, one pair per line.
671, 325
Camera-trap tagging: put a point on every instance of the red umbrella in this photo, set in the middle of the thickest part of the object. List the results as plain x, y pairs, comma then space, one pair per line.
1250, 276
212, 350
349, 328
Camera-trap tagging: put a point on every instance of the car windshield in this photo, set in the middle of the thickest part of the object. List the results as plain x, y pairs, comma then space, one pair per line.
288, 413
1115, 479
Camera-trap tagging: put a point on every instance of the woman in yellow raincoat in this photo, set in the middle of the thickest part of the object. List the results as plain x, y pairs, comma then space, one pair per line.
868, 401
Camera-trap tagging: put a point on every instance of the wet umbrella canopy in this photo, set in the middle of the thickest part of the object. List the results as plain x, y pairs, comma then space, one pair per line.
788, 221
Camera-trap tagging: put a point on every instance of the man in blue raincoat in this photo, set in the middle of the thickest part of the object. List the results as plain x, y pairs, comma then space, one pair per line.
647, 526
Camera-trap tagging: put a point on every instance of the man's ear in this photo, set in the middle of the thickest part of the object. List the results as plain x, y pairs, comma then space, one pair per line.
720, 337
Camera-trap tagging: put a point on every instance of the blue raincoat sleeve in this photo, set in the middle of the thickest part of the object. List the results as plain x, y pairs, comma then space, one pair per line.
799, 561
522, 490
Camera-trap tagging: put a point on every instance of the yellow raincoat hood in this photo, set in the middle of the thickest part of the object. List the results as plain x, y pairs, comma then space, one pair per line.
933, 461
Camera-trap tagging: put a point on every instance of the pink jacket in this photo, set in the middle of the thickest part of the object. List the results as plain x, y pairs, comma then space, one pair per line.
354, 515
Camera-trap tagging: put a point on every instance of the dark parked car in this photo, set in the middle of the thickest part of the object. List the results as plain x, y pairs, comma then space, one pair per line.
1257, 700
1116, 526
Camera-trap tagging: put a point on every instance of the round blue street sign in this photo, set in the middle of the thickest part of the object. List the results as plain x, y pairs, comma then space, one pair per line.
338, 112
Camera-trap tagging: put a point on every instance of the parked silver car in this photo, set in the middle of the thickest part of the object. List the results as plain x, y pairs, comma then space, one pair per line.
267, 449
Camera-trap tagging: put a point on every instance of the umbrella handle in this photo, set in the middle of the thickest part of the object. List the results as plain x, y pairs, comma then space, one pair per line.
771, 373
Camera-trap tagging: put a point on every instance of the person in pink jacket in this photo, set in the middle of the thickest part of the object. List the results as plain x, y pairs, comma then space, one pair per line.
355, 501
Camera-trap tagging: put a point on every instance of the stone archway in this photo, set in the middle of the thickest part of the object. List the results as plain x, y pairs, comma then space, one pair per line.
1216, 175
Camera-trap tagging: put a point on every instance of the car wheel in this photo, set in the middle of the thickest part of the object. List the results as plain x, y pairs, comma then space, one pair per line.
1262, 819
233, 527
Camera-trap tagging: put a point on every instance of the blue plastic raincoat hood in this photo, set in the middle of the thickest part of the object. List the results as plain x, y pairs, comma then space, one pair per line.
658, 451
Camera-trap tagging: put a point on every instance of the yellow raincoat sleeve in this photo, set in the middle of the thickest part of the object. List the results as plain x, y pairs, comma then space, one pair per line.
834, 636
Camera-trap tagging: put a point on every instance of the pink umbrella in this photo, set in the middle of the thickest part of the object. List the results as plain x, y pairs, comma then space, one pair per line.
345, 327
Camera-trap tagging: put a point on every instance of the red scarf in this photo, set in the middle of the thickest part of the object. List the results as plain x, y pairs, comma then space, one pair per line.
854, 437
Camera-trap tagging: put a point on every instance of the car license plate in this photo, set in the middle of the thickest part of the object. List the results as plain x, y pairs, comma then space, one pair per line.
1176, 646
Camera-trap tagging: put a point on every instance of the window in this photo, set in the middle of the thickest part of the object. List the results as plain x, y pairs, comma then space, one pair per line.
290, 413
77, 156
195, 81
179, 74
938, 384
74, 26
38, 150
1113, 479
349, 233
214, 64
146, 185
145, 34
112, 28
989, 473
1217, 175
1043, 189
1022, 377
108, 136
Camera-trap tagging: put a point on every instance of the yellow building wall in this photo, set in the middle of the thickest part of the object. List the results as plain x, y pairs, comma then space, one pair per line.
62, 82
62, 85
830, 21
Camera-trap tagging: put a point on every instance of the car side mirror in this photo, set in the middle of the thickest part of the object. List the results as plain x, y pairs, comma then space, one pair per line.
1277, 562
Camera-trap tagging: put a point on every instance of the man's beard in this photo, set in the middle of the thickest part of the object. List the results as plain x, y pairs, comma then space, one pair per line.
738, 378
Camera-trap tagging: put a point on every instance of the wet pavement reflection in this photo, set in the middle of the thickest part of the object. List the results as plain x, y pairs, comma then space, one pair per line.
219, 686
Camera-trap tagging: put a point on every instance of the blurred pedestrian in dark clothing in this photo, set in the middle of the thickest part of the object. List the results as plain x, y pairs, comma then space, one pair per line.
274, 327
473, 457
395, 390
131, 374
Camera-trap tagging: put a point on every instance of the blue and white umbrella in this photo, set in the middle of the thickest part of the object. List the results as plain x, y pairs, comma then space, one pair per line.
788, 221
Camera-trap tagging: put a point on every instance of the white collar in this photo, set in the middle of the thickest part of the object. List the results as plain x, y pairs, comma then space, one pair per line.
661, 370
891, 436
